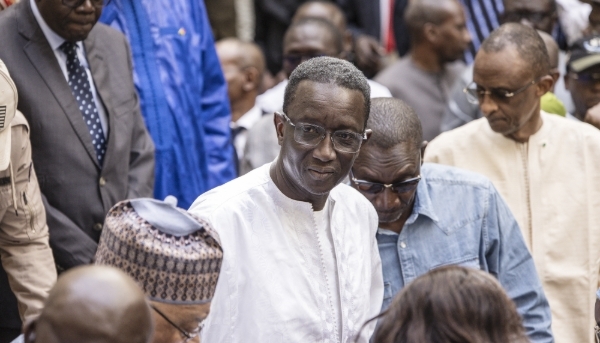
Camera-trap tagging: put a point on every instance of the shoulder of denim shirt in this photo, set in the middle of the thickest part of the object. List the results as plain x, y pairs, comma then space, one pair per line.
435, 173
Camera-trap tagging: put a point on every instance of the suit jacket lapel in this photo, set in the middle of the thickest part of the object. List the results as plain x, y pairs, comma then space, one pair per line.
42, 57
99, 69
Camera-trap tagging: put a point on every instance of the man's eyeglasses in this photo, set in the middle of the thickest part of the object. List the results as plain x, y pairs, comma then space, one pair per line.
312, 135
187, 335
376, 187
77, 3
586, 77
475, 94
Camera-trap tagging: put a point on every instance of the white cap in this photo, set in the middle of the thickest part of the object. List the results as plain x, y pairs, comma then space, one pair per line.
8, 108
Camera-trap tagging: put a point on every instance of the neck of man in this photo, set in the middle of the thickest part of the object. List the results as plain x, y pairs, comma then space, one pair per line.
291, 189
531, 127
426, 59
398, 225
241, 107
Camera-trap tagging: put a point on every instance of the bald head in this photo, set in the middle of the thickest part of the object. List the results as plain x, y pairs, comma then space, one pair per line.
421, 12
244, 54
393, 122
324, 10
93, 304
527, 42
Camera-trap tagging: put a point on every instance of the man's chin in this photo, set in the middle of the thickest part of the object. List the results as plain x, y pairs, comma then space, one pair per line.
389, 217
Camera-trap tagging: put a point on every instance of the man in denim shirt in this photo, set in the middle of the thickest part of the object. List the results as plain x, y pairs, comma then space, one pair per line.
432, 215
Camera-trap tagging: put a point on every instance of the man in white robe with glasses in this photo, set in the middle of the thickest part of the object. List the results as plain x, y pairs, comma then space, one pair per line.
301, 262
544, 166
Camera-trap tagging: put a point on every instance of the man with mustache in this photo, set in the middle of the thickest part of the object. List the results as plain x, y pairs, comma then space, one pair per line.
90, 146
543, 165
432, 215
300, 256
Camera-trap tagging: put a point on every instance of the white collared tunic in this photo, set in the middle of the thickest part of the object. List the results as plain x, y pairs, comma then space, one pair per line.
275, 283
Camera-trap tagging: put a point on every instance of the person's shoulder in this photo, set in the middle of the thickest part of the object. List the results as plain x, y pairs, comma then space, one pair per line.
19, 120
8, 24
232, 193
463, 133
566, 128
391, 71
107, 36
445, 175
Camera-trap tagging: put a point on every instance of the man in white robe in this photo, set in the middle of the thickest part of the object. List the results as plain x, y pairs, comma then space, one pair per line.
544, 166
301, 262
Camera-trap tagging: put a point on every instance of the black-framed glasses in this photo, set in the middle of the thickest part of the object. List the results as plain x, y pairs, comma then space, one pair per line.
187, 335
77, 3
401, 187
312, 135
586, 77
475, 94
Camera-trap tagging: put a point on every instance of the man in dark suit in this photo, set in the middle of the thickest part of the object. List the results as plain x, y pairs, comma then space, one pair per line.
90, 146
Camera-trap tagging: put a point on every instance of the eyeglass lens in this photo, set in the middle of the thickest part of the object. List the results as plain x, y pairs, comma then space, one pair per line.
312, 135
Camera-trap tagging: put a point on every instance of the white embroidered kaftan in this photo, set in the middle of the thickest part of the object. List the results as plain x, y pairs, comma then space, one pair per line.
274, 285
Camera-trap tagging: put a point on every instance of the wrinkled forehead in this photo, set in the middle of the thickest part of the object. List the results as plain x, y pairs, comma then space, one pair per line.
505, 65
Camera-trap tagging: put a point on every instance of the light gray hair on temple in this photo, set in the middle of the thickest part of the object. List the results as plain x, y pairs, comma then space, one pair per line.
329, 70
394, 122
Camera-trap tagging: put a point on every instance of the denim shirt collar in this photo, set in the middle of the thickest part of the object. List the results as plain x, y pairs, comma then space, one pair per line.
423, 204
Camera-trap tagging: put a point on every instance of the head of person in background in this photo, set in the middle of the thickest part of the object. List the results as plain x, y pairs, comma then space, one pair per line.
510, 75
551, 103
331, 12
583, 75
71, 19
438, 32
363, 49
393, 157
308, 38
452, 304
173, 256
539, 14
95, 304
243, 65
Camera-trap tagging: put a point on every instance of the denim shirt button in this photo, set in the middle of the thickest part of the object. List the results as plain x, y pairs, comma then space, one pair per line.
402, 245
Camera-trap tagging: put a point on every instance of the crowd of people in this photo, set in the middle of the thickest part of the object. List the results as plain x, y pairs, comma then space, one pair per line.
389, 171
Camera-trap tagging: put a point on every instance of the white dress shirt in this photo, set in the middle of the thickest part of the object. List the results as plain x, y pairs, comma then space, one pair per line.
275, 283
246, 121
55, 42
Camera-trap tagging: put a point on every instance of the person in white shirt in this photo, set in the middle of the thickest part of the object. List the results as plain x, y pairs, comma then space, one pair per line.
243, 65
300, 256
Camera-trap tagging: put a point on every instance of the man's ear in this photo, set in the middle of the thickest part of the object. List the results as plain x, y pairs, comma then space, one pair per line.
279, 123
29, 331
430, 32
423, 147
348, 41
544, 85
252, 79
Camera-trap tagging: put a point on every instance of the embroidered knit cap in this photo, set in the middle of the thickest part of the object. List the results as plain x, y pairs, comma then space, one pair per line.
174, 256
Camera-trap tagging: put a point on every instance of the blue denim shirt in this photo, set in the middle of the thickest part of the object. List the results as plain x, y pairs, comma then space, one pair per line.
459, 218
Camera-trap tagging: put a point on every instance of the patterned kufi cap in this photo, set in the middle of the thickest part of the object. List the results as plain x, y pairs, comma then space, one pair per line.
174, 256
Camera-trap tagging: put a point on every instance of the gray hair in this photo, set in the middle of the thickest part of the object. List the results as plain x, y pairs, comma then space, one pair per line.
394, 122
526, 40
328, 70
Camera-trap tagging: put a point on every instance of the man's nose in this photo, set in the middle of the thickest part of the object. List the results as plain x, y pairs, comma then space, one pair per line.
324, 151
387, 199
487, 105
